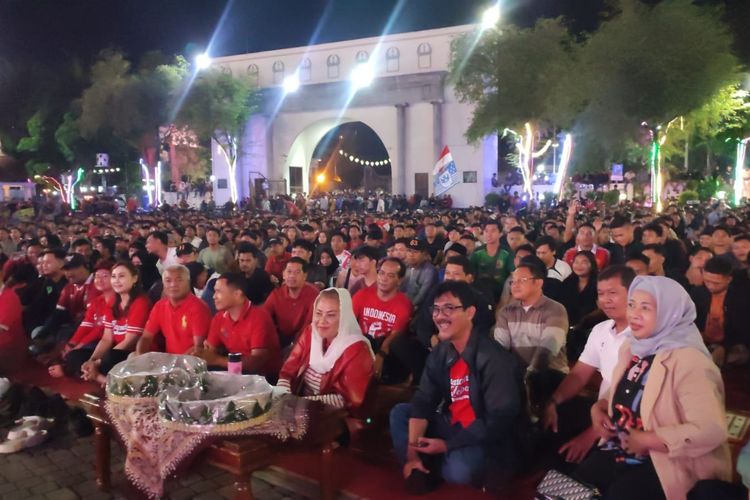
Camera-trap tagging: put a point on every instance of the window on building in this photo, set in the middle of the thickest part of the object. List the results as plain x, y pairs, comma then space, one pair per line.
278, 72
253, 73
305, 70
392, 56
333, 62
424, 52
470, 176
362, 57
226, 70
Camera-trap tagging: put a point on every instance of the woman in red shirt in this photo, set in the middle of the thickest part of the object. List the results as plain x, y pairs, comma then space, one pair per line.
332, 361
123, 324
88, 334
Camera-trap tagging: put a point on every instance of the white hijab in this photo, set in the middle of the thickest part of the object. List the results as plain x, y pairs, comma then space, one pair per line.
349, 334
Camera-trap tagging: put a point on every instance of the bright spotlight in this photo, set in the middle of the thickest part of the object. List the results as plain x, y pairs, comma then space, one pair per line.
291, 83
321, 178
212, 178
351, 158
362, 76
202, 61
491, 17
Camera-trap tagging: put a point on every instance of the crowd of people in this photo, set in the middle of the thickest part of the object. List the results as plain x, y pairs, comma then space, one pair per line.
500, 321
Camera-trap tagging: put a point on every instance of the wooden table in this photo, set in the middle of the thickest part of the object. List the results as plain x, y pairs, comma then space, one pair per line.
240, 456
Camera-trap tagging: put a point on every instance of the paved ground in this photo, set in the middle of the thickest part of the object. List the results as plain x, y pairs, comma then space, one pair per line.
63, 469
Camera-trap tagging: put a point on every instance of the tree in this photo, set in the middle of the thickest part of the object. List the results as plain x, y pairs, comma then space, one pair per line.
645, 63
217, 107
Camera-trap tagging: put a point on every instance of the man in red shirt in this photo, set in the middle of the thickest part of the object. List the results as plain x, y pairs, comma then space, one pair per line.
181, 317
383, 312
585, 237
277, 259
12, 337
290, 306
241, 327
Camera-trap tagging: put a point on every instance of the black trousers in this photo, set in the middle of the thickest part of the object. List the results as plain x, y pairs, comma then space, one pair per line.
620, 481
75, 359
406, 356
111, 358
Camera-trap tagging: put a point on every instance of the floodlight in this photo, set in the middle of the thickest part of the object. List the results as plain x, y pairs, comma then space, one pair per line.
291, 83
491, 17
202, 61
362, 76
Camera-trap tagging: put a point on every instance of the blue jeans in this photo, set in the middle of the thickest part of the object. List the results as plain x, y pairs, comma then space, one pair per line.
459, 466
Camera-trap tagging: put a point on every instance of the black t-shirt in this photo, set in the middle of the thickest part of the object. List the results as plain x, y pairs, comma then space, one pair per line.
626, 405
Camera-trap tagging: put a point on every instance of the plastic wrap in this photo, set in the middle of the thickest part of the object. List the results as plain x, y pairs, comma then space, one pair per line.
148, 375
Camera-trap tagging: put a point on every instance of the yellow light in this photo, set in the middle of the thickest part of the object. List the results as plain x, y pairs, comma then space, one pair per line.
321, 178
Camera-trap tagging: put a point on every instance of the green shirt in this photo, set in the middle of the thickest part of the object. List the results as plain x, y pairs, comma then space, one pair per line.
220, 260
492, 271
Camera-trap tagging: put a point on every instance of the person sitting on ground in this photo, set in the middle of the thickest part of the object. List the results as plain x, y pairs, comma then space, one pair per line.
657, 261
180, 317
535, 328
328, 261
315, 274
663, 424
546, 250
639, 263
258, 281
277, 259
578, 293
722, 308
44, 302
585, 240
675, 255
520, 253
216, 256
157, 244
421, 275
623, 235
383, 313
698, 259
13, 342
122, 326
492, 264
290, 305
458, 426
81, 345
240, 327
563, 413
186, 253
332, 361
457, 268
365, 263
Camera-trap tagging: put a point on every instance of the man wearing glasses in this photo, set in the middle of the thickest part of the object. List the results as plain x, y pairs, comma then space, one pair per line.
458, 426
535, 328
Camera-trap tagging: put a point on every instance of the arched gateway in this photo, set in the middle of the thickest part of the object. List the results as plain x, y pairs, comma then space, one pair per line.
409, 105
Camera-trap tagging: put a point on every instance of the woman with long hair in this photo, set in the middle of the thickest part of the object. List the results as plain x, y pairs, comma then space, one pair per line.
578, 291
327, 260
123, 324
663, 425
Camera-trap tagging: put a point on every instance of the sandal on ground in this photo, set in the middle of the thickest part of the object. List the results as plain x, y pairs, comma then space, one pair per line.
28, 425
26, 439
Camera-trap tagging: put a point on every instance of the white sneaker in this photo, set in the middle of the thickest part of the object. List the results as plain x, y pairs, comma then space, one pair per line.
25, 425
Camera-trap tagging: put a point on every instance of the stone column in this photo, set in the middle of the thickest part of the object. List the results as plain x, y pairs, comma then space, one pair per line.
400, 185
437, 128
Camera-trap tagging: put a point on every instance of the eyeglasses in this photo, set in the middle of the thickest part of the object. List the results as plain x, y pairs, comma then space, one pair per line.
448, 310
521, 281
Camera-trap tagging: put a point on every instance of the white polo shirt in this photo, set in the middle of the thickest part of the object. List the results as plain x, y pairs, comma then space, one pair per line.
560, 270
601, 351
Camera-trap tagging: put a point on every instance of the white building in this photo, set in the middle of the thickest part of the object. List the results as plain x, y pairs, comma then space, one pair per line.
410, 105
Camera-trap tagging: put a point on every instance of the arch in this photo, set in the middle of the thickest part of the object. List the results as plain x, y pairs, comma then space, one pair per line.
333, 62
424, 53
278, 72
226, 70
392, 57
253, 73
305, 144
305, 70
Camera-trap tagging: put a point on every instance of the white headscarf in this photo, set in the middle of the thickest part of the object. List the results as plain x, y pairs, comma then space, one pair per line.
675, 323
349, 334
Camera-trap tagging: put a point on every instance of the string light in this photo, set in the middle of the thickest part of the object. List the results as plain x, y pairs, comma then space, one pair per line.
526, 154
106, 170
368, 163
567, 152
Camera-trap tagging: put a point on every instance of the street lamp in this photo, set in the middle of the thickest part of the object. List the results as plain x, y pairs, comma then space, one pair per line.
362, 76
291, 83
320, 178
491, 17
202, 61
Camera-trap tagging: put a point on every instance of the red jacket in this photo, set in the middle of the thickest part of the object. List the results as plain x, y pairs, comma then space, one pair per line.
350, 376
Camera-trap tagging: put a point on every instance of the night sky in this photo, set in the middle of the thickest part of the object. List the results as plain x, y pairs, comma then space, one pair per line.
53, 30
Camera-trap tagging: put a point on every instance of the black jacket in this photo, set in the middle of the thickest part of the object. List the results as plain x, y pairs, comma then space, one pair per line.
425, 328
495, 392
736, 307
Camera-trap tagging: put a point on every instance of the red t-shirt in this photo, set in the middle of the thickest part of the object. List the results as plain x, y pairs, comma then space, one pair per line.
77, 298
601, 255
179, 324
379, 318
253, 330
275, 265
133, 322
291, 316
460, 407
91, 328
13, 339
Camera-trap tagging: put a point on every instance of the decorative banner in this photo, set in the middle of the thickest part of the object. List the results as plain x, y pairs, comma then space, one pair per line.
445, 173
616, 172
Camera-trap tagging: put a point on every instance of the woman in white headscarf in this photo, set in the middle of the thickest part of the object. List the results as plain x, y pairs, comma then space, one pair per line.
663, 426
332, 361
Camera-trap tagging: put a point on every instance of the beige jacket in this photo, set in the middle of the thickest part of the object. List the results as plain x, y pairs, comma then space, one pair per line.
683, 402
